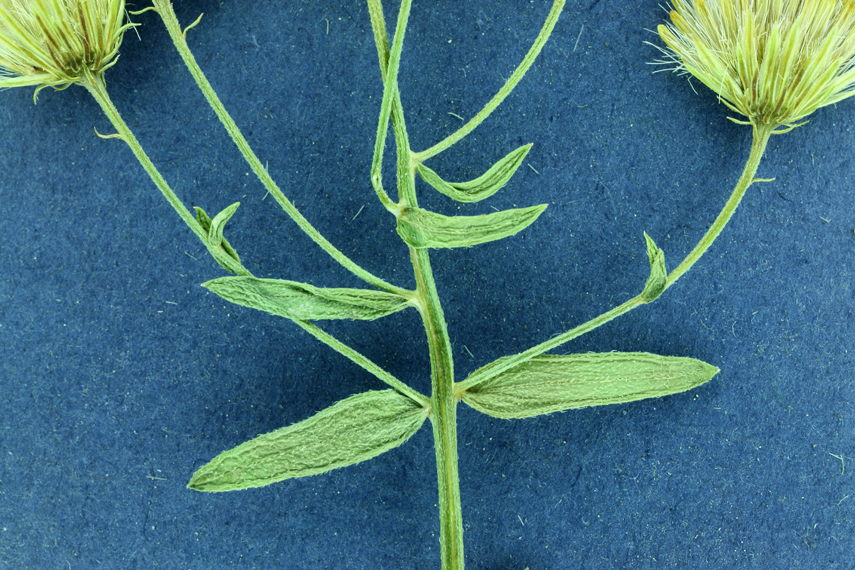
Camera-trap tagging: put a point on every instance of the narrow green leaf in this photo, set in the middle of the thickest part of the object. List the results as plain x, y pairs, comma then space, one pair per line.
353, 430
214, 229
547, 383
218, 224
422, 229
482, 187
203, 219
658, 275
294, 300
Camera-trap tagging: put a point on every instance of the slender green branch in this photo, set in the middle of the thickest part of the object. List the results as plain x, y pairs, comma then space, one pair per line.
167, 14
362, 361
390, 90
761, 136
98, 90
506, 89
497, 367
96, 86
381, 41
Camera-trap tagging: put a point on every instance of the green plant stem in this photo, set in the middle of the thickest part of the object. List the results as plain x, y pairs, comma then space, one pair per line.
98, 90
443, 413
510, 84
443, 404
96, 86
381, 41
364, 362
497, 367
390, 96
760, 139
167, 14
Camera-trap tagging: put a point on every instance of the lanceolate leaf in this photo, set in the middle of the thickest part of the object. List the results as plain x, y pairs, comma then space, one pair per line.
215, 228
422, 229
203, 218
353, 430
301, 301
547, 384
482, 187
658, 275
218, 224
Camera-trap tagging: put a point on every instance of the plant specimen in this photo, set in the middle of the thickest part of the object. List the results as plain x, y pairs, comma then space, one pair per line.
81, 43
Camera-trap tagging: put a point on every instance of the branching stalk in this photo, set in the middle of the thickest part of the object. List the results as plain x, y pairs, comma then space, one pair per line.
506, 89
167, 14
761, 136
97, 88
362, 361
390, 95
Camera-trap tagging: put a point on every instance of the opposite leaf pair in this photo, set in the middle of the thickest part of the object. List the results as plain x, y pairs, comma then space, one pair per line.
423, 229
365, 425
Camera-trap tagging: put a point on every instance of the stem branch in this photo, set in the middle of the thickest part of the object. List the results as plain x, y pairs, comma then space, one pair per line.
506, 89
167, 14
391, 95
761, 136
96, 87
362, 361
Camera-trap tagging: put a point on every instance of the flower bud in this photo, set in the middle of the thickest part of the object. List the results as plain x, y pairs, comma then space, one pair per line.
773, 61
58, 42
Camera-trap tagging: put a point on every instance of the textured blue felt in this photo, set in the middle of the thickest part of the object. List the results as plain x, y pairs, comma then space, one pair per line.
120, 375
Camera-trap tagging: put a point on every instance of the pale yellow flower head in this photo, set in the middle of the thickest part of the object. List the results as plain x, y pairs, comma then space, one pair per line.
58, 42
774, 61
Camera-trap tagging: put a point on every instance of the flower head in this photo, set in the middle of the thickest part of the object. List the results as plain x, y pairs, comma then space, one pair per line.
774, 61
58, 42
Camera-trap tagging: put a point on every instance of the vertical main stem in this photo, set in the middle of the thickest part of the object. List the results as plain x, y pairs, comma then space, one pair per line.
443, 405
443, 413
443, 402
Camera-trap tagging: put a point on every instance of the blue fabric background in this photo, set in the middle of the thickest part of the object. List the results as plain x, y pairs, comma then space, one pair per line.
120, 375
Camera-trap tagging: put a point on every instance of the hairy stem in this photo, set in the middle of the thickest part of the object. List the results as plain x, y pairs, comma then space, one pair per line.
98, 90
761, 136
362, 361
497, 367
167, 14
443, 405
390, 96
506, 89
443, 413
96, 87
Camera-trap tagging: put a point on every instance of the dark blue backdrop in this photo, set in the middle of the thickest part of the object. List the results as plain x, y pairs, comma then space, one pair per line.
120, 375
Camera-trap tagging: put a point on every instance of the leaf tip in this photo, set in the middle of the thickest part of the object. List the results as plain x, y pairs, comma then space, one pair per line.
711, 371
197, 482
658, 278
